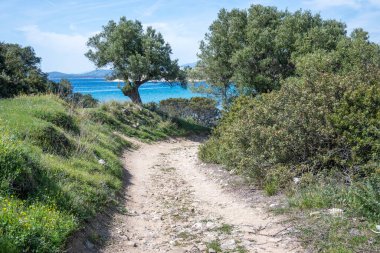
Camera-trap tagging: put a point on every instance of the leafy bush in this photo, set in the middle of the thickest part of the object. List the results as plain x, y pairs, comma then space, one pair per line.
32, 228
64, 89
82, 100
15, 167
327, 118
20, 72
201, 110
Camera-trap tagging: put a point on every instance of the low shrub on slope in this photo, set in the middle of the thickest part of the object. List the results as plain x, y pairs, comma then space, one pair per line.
317, 138
50, 175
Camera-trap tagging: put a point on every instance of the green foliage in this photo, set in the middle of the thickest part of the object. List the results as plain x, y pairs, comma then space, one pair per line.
63, 88
358, 122
49, 163
257, 49
82, 100
32, 227
136, 121
349, 233
20, 72
226, 36
325, 118
135, 55
202, 111
16, 170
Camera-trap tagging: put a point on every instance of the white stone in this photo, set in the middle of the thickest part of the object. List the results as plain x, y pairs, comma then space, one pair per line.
210, 225
316, 213
335, 212
197, 226
102, 162
228, 245
296, 180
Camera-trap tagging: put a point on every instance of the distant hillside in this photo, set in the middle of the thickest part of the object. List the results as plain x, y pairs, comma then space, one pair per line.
191, 65
99, 73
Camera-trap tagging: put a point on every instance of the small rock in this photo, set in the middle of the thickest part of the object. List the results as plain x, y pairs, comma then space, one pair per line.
378, 227
335, 212
197, 226
211, 251
157, 218
354, 232
210, 225
228, 245
132, 244
202, 248
296, 180
102, 162
316, 213
274, 205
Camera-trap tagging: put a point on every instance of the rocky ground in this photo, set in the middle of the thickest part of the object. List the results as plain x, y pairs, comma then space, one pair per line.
175, 203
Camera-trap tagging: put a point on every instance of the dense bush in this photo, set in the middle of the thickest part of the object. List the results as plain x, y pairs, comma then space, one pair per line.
64, 89
326, 118
201, 110
20, 72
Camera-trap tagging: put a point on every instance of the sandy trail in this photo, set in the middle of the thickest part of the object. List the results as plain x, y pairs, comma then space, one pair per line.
175, 203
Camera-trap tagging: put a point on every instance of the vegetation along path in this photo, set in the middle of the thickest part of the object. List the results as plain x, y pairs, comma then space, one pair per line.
175, 203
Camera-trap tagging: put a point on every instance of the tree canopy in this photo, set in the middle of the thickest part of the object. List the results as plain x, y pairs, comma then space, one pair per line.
257, 48
227, 35
20, 72
135, 55
324, 117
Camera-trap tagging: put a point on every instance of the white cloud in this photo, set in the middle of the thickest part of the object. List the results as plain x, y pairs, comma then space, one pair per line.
368, 21
325, 4
63, 52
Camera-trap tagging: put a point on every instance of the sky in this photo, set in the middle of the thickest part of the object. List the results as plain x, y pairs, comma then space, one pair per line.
58, 29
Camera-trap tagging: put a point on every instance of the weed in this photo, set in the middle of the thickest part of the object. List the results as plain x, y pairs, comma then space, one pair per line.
215, 245
225, 229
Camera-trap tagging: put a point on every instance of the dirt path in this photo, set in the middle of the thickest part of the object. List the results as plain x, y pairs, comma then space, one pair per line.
175, 203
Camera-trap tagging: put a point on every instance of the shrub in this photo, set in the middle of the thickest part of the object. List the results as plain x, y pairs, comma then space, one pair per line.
82, 100
62, 89
32, 228
201, 110
319, 121
16, 169
20, 72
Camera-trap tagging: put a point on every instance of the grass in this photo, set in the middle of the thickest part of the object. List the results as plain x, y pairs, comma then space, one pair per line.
225, 229
50, 176
215, 245
350, 232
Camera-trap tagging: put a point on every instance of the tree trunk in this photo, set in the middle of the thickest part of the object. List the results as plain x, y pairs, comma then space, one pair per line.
225, 96
134, 95
131, 90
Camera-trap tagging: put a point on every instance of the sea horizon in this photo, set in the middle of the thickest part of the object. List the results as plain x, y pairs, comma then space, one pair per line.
152, 91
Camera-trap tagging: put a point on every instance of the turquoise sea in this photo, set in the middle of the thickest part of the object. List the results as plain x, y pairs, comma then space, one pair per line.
104, 90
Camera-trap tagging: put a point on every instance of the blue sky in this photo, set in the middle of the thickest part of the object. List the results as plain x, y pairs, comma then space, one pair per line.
58, 30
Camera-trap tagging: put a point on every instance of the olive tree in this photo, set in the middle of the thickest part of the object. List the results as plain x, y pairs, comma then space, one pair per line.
226, 36
134, 54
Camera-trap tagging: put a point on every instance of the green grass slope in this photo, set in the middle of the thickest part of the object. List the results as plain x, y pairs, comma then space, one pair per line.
50, 175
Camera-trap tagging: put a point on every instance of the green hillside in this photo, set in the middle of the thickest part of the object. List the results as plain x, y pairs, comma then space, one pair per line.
60, 165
